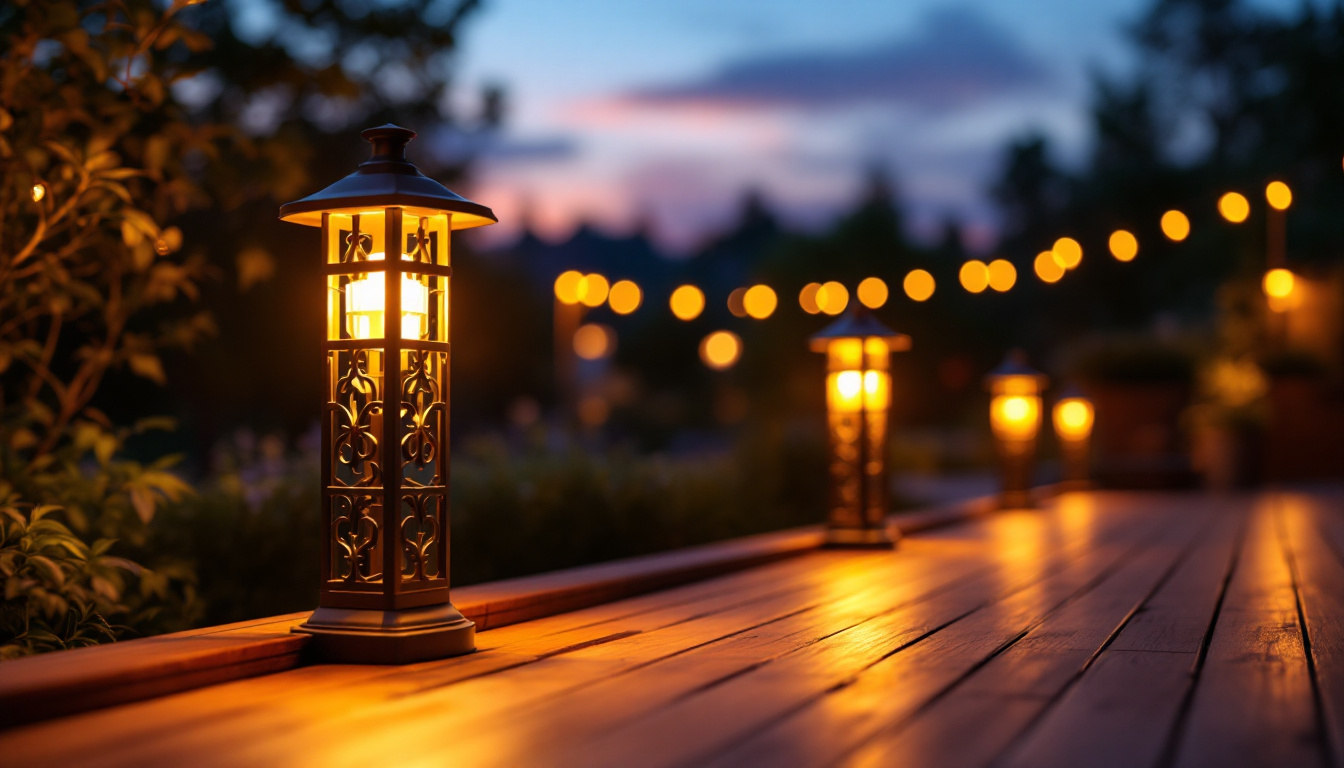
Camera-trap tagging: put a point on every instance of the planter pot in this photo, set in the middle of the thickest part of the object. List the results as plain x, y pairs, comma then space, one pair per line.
1305, 435
1137, 440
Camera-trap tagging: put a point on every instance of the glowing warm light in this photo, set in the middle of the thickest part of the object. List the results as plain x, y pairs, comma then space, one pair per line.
625, 297
1234, 207
365, 301
849, 388
1278, 283
1048, 267
919, 285
760, 301
720, 350
1002, 275
1015, 417
1278, 195
974, 276
807, 298
1282, 290
1073, 417
1124, 246
594, 342
687, 302
872, 292
1068, 252
567, 287
593, 290
832, 297
39, 192
1175, 225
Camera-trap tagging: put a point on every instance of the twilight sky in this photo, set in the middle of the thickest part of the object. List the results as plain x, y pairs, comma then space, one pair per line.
664, 111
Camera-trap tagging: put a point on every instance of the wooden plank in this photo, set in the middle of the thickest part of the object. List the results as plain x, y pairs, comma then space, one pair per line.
1007, 673
807, 657
1253, 704
1318, 569
1122, 710
693, 727
48, 686
336, 718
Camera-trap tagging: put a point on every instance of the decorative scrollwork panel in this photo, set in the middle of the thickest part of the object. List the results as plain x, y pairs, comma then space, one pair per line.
423, 417
422, 524
356, 538
846, 476
355, 408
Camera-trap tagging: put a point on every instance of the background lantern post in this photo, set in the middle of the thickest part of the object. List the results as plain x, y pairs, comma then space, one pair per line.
385, 460
1015, 418
1073, 416
858, 397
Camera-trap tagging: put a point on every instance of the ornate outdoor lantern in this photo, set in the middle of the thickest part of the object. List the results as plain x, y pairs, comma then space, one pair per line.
1015, 417
1073, 416
858, 395
385, 248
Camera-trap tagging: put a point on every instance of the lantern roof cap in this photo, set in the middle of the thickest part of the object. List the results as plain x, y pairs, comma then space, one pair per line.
387, 179
1015, 364
1072, 391
859, 323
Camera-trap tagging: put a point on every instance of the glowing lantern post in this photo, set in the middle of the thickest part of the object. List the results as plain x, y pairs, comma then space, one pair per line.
858, 396
1073, 417
1015, 417
384, 571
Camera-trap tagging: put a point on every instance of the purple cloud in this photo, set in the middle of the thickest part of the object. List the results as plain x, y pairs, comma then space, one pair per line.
956, 59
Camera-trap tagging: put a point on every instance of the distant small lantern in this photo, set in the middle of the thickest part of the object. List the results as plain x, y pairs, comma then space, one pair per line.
1073, 416
385, 248
1015, 417
858, 397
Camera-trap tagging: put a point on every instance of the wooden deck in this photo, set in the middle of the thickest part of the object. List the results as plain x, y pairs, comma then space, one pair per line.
1117, 629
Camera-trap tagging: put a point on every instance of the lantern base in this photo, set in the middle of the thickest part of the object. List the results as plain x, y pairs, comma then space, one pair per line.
866, 538
358, 636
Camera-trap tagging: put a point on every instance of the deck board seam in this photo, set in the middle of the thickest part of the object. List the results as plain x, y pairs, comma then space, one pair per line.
1055, 698
1172, 744
1322, 728
1097, 579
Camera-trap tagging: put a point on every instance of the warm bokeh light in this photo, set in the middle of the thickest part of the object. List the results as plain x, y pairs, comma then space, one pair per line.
1048, 268
1278, 283
1175, 225
760, 301
1282, 290
625, 297
807, 298
872, 292
593, 290
852, 391
1234, 207
1278, 195
567, 287
737, 302
1124, 246
39, 192
594, 341
1015, 417
1002, 275
720, 350
974, 276
919, 285
1068, 252
832, 298
687, 302
365, 302
1073, 417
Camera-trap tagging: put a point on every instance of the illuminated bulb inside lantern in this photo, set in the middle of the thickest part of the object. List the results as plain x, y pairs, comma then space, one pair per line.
852, 389
1073, 419
365, 308
1015, 411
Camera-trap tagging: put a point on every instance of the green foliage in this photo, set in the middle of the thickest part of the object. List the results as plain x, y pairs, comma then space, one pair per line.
58, 590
